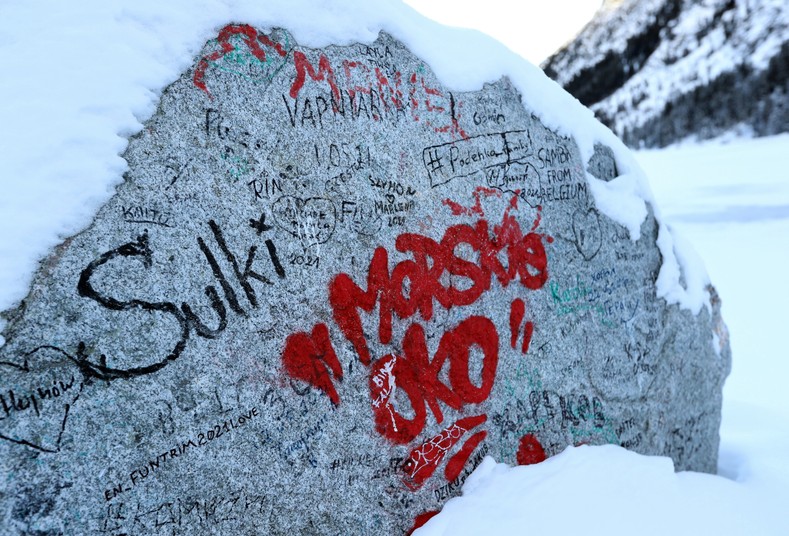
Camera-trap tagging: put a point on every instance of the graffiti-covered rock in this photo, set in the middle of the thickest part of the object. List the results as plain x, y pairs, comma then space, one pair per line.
327, 288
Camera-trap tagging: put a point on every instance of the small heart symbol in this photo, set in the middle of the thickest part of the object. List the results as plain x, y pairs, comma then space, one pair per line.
310, 220
587, 231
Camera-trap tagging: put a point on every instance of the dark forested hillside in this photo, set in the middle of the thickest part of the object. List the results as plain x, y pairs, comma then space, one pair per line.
659, 71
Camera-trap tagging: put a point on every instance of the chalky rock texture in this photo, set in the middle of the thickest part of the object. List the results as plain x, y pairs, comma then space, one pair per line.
326, 289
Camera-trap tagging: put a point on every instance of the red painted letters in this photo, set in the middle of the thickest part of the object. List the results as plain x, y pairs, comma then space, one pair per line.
517, 310
526, 261
418, 377
304, 67
407, 387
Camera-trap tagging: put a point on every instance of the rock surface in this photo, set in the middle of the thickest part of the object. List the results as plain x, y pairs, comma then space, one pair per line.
326, 289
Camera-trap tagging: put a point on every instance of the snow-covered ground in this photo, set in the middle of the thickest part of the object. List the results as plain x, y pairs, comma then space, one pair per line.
730, 199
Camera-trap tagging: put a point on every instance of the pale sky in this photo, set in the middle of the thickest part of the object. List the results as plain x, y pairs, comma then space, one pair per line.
532, 29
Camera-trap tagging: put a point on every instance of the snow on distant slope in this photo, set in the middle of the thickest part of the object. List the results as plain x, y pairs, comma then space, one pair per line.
658, 71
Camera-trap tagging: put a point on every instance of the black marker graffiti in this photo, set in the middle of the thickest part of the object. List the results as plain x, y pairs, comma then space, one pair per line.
138, 248
462, 158
587, 233
47, 393
35, 401
186, 319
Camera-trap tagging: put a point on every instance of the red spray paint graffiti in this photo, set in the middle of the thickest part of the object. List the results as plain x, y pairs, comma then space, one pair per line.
530, 451
480, 191
526, 261
425, 459
418, 377
517, 311
421, 519
406, 387
304, 68
248, 35
386, 94
456, 464
311, 358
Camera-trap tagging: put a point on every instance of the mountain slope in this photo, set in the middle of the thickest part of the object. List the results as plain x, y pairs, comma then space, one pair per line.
658, 71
